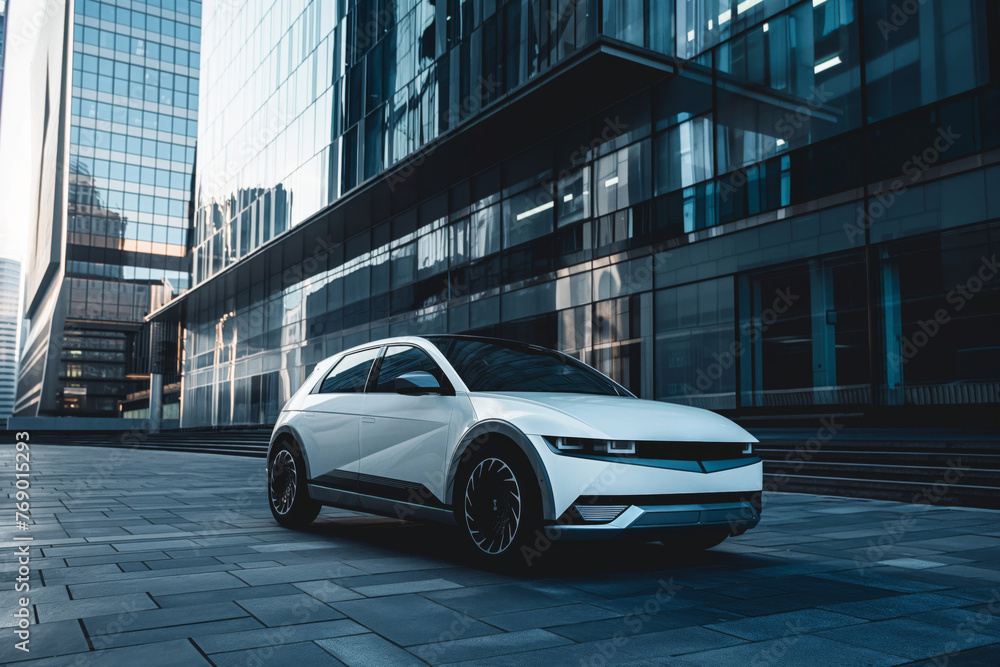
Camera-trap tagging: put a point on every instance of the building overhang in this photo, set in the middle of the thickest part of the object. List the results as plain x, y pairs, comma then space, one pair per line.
572, 91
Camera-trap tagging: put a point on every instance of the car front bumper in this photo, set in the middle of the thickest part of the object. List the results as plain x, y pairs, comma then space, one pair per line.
645, 520
592, 499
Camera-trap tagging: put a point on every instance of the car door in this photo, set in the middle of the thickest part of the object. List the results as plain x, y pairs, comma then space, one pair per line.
405, 438
331, 416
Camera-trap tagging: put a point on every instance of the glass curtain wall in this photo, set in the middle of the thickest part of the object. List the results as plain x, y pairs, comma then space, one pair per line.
717, 249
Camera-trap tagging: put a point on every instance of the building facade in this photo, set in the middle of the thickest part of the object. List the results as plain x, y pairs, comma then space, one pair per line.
115, 149
761, 207
3, 43
10, 301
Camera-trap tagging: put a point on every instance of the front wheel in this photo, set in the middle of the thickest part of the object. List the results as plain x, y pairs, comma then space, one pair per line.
287, 489
497, 504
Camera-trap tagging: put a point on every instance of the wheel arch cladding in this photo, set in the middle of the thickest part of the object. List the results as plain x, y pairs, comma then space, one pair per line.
496, 429
284, 433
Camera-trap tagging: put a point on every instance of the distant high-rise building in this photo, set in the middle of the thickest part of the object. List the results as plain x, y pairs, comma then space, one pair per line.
113, 147
10, 292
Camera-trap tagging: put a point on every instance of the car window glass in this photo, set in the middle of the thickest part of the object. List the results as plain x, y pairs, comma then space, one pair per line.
506, 366
402, 359
350, 373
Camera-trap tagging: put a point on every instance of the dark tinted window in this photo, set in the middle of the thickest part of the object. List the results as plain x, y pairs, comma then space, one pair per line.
350, 373
402, 359
487, 365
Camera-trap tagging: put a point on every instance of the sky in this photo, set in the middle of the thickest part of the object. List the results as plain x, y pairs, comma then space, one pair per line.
14, 144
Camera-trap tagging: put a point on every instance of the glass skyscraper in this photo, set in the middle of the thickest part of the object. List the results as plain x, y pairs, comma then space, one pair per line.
10, 297
762, 207
119, 112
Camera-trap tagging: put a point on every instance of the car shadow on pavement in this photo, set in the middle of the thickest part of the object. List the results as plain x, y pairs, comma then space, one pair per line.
364, 537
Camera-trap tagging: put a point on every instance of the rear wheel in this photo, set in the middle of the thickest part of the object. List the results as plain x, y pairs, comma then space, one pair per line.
287, 489
497, 504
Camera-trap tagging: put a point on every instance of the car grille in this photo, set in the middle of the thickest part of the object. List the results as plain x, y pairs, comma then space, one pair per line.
690, 451
600, 513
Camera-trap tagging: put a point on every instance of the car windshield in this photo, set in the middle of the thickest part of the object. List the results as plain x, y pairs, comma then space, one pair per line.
493, 365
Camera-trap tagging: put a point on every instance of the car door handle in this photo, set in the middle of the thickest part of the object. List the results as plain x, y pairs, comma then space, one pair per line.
367, 420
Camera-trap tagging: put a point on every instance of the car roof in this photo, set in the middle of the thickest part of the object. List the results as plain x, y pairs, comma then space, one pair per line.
428, 339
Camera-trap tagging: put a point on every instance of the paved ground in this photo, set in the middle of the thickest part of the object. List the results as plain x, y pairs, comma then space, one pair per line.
161, 558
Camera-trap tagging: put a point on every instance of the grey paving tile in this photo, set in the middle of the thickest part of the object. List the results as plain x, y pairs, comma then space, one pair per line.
187, 583
176, 653
548, 617
327, 591
45, 640
186, 631
792, 650
797, 623
289, 610
981, 620
223, 595
909, 638
647, 649
402, 587
482, 601
116, 557
294, 573
112, 604
235, 641
410, 619
304, 654
158, 618
897, 605
487, 646
368, 650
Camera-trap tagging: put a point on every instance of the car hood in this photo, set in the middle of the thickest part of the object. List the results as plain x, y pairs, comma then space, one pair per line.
612, 417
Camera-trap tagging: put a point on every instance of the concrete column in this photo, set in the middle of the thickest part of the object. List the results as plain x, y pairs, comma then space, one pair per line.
155, 402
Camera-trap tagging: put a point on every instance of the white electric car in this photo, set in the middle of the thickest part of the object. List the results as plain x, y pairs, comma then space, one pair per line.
514, 443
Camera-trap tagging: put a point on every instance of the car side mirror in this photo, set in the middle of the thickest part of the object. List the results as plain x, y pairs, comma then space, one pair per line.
417, 383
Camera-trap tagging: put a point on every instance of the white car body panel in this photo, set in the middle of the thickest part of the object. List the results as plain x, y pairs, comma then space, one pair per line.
407, 438
592, 416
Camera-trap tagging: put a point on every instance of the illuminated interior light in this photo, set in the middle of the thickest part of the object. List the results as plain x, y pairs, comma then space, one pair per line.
538, 209
827, 64
725, 16
767, 27
747, 4
568, 197
690, 35
611, 181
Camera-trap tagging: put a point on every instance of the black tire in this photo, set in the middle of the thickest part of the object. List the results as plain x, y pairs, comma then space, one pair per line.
497, 506
287, 489
695, 541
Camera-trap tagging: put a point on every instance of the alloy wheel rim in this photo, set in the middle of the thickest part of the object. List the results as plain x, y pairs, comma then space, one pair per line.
492, 506
284, 482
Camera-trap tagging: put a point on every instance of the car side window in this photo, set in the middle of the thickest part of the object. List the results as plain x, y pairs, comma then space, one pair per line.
402, 359
350, 373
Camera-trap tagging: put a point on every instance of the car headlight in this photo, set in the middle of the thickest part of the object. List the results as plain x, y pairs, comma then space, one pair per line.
592, 446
